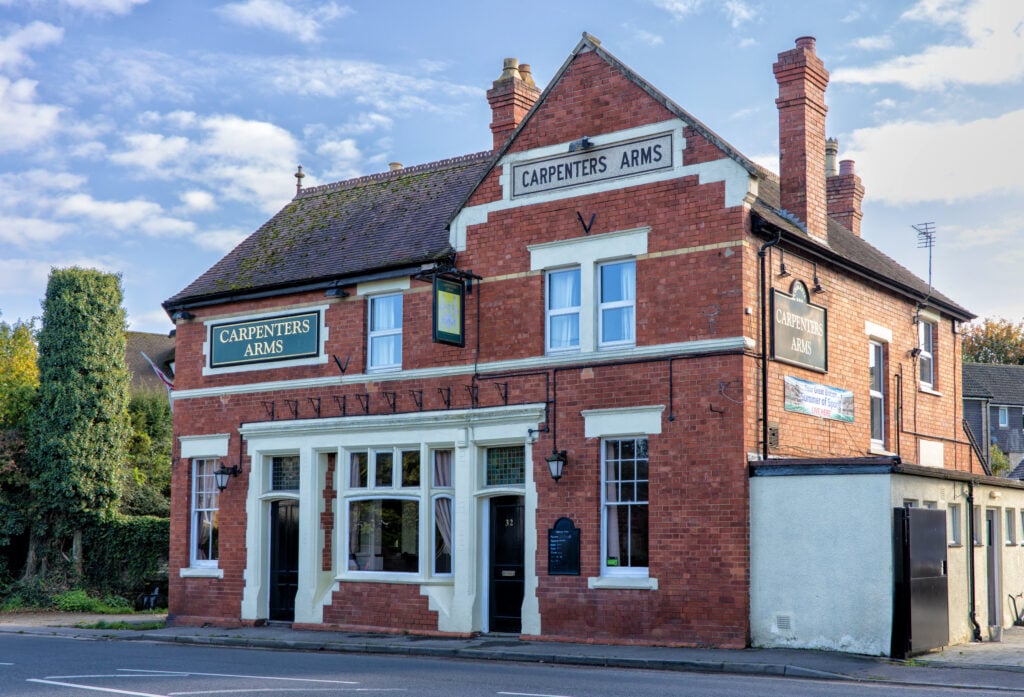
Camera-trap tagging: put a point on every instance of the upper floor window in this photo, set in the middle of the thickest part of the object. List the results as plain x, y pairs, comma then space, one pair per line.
617, 303
385, 334
563, 310
876, 366
1004, 417
926, 359
205, 514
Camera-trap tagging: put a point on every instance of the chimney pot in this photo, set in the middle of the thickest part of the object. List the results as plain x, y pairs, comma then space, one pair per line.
805, 42
511, 97
846, 167
831, 153
526, 74
509, 70
394, 166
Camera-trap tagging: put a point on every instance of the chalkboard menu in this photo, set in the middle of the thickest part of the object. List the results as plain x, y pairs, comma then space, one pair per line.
564, 549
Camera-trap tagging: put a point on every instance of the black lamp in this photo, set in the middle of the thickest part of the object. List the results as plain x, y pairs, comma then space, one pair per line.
556, 462
224, 473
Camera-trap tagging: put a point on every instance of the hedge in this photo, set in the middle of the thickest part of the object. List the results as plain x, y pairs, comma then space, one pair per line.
124, 555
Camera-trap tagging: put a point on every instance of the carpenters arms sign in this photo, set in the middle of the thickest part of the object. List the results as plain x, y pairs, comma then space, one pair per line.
278, 338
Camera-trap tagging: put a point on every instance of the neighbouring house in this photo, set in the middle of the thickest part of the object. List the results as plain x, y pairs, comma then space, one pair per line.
994, 408
143, 347
609, 380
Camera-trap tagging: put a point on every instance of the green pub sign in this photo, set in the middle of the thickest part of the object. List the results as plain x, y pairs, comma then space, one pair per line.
449, 311
281, 338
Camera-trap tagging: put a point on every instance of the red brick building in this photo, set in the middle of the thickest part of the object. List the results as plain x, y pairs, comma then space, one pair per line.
613, 290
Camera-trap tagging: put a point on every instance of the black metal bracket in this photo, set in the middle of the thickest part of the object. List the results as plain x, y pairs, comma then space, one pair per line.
586, 226
269, 408
417, 397
474, 394
392, 399
293, 407
342, 367
315, 403
342, 404
502, 388
364, 401
446, 396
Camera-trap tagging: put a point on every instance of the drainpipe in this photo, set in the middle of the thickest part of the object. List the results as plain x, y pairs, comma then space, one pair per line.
970, 560
762, 253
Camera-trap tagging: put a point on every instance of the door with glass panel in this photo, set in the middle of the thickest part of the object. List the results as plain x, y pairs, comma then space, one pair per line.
284, 559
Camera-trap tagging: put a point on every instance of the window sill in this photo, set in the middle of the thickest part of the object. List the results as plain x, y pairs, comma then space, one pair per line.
956, 545
392, 577
623, 582
929, 390
879, 450
200, 572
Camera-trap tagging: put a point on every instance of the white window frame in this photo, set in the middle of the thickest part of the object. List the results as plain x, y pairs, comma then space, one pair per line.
955, 525
1004, 417
603, 307
977, 540
926, 344
629, 571
876, 361
550, 313
372, 335
1010, 528
209, 487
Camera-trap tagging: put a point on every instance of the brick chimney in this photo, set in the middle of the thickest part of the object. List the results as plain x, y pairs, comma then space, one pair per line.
845, 193
510, 98
802, 80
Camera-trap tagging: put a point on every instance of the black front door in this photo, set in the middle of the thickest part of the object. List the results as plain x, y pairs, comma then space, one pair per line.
921, 610
284, 559
507, 561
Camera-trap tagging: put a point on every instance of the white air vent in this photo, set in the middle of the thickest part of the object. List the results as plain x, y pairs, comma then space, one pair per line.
783, 624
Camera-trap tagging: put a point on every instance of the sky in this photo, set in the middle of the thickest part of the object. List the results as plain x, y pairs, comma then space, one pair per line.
149, 137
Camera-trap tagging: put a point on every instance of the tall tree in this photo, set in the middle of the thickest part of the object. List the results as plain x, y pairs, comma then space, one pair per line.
78, 438
994, 340
19, 373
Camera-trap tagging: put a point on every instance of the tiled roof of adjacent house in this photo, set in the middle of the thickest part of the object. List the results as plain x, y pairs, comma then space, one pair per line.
159, 348
1001, 384
383, 221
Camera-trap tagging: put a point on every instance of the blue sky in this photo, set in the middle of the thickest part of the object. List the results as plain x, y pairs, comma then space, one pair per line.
148, 137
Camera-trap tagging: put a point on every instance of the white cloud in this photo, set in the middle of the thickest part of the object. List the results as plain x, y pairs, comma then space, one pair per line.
991, 53
21, 114
678, 8
151, 152
1005, 233
15, 46
344, 158
873, 43
122, 78
738, 12
911, 161
104, 7
197, 201
303, 24
28, 232
123, 216
222, 241
644, 36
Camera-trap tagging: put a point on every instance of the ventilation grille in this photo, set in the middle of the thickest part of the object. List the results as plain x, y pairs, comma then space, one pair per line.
783, 624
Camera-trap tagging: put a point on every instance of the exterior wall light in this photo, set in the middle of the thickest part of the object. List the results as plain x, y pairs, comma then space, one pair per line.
180, 315
224, 473
556, 462
583, 143
336, 292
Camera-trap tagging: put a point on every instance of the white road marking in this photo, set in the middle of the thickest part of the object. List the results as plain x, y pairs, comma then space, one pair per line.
529, 694
95, 689
143, 671
303, 690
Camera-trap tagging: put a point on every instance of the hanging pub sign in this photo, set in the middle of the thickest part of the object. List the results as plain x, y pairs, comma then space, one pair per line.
805, 397
280, 338
449, 311
799, 330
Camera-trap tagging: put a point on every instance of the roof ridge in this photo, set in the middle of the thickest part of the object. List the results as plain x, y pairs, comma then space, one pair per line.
381, 176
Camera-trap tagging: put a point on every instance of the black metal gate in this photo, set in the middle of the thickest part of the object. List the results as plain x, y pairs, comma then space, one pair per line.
920, 609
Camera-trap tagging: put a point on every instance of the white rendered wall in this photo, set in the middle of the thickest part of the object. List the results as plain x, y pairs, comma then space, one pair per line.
821, 574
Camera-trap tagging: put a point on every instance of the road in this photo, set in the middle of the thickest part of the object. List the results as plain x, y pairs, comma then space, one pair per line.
34, 666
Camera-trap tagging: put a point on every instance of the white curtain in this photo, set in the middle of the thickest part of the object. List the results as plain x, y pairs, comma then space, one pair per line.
618, 296
443, 505
386, 320
611, 498
564, 294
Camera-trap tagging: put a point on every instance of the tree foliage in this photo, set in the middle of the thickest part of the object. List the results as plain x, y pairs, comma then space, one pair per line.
79, 435
998, 462
19, 373
994, 340
148, 486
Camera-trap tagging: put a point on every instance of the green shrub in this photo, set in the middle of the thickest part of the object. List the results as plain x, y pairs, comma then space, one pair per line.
123, 554
75, 601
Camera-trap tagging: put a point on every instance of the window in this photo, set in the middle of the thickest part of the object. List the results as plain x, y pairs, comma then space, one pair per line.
1004, 417
506, 466
876, 368
931, 505
910, 503
976, 516
926, 359
390, 507
563, 310
1022, 526
955, 524
385, 348
617, 304
1011, 526
284, 473
624, 500
205, 507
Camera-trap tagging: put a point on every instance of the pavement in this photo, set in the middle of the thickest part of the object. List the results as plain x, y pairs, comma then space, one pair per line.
992, 665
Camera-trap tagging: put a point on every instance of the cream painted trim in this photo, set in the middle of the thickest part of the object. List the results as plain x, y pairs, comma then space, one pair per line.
930, 453
878, 332
625, 421
732, 343
623, 582
204, 446
386, 285
588, 250
325, 333
738, 181
929, 315
198, 572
